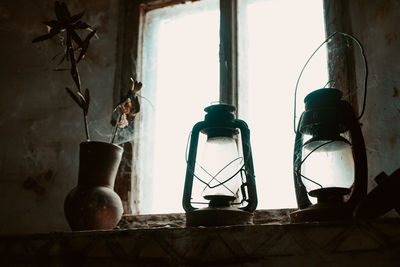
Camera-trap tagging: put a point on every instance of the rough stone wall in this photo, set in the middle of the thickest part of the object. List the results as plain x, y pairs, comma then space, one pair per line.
376, 24
41, 127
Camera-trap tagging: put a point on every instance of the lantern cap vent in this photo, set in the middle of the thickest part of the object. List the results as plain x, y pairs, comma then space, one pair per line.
323, 97
220, 108
219, 121
219, 114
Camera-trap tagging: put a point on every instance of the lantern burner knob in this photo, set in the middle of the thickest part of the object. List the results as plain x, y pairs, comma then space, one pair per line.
330, 194
219, 201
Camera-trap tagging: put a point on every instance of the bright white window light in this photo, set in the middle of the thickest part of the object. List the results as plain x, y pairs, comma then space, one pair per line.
180, 78
276, 37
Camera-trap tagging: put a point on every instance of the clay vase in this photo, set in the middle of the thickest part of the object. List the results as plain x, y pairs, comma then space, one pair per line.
93, 204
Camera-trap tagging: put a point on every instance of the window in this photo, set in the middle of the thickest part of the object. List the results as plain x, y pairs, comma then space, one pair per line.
181, 76
180, 69
276, 37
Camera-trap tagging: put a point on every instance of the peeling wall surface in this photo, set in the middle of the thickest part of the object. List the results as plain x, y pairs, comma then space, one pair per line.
41, 127
376, 24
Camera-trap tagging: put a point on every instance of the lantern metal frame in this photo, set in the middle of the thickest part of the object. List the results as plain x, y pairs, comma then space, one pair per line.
328, 115
220, 121
327, 112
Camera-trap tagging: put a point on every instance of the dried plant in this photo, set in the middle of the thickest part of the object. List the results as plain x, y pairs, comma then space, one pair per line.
128, 107
66, 28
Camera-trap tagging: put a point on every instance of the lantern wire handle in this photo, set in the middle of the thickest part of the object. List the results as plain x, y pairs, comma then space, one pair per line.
311, 180
316, 50
227, 180
329, 83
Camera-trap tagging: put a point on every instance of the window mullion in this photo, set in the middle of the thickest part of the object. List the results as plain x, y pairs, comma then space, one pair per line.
127, 43
228, 52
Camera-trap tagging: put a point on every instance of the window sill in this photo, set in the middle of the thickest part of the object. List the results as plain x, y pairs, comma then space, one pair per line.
364, 243
278, 216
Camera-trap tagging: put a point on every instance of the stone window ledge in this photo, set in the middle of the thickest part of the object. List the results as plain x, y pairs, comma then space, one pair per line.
278, 216
362, 243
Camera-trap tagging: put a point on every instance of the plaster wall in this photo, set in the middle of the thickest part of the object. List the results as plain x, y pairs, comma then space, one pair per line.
375, 23
41, 127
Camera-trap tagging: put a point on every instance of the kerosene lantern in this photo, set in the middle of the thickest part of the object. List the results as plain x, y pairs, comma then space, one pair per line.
329, 159
220, 183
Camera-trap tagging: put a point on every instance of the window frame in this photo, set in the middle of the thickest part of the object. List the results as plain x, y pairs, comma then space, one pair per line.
129, 42
128, 62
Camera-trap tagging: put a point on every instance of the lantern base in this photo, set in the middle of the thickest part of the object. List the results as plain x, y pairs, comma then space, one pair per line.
322, 212
218, 217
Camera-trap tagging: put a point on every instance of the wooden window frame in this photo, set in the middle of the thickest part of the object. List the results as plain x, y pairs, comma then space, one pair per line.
128, 62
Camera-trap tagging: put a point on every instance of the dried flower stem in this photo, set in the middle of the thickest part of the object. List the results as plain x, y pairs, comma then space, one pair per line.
76, 77
85, 120
115, 130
